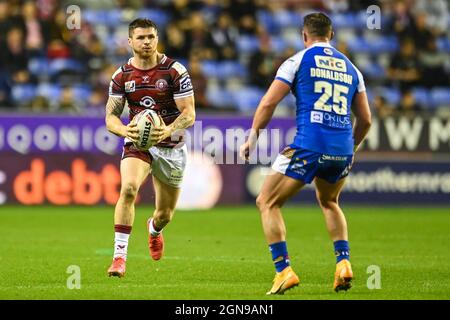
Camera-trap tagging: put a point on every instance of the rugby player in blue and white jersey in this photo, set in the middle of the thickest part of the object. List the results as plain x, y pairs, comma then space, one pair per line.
327, 88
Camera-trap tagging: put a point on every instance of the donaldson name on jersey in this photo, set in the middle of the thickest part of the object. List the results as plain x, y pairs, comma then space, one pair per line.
324, 82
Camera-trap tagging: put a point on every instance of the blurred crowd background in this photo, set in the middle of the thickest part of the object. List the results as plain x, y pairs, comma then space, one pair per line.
232, 49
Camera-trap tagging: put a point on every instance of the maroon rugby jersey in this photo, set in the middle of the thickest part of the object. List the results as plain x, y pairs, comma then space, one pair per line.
155, 88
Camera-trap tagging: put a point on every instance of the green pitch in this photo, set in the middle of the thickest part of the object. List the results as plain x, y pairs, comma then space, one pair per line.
221, 254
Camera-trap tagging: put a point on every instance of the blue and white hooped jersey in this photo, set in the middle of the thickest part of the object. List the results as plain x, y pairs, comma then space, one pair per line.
324, 82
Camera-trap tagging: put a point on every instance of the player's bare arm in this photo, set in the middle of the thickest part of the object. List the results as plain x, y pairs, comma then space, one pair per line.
276, 92
114, 109
363, 118
184, 120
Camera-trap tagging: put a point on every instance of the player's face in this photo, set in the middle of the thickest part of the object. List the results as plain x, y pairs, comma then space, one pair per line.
144, 42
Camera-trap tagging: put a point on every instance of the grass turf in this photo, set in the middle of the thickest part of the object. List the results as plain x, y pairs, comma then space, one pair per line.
221, 254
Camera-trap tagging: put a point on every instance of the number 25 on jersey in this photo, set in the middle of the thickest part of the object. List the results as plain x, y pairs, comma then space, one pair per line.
329, 90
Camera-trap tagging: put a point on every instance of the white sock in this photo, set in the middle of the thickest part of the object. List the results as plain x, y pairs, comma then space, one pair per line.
152, 230
121, 245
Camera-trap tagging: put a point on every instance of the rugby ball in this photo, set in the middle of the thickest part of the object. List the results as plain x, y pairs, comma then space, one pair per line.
145, 121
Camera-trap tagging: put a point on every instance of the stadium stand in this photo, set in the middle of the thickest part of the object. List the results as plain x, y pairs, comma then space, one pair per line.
54, 57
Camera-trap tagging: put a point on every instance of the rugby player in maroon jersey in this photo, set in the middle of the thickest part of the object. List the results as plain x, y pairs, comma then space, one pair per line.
149, 80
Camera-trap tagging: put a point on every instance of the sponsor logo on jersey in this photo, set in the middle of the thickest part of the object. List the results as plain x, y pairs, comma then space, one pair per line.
297, 167
333, 158
330, 63
145, 79
130, 86
316, 117
185, 83
161, 84
337, 121
146, 133
147, 102
176, 175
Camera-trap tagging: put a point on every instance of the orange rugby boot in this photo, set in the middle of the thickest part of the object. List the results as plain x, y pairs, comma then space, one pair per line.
117, 268
343, 276
155, 244
283, 281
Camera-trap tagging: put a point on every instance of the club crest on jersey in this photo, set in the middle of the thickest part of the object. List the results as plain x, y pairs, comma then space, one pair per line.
130, 86
161, 84
147, 102
328, 51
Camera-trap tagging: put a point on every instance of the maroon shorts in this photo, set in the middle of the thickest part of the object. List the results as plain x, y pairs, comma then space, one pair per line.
130, 151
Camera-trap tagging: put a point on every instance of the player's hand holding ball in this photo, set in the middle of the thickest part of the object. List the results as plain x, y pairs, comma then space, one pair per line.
132, 132
160, 133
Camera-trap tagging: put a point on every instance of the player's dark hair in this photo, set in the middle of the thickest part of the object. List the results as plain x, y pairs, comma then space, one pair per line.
317, 24
140, 23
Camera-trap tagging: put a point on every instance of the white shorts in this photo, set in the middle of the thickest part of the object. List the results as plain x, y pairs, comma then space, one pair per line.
167, 164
